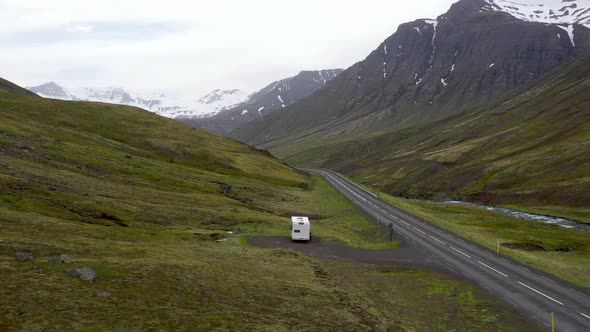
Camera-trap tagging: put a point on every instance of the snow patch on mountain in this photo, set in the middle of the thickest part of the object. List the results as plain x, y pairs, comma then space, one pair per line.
217, 101
565, 12
160, 103
570, 32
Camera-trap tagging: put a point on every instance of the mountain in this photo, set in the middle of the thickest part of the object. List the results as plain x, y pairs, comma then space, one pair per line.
218, 101
270, 99
428, 70
528, 149
159, 103
564, 12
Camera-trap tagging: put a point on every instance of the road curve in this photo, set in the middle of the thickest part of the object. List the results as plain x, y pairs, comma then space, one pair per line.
534, 293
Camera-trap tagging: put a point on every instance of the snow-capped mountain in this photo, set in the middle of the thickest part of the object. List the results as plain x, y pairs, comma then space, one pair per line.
565, 12
430, 69
219, 100
160, 103
272, 98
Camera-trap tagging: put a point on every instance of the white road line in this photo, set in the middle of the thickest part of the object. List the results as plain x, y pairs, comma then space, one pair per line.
513, 304
524, 268
536, 291
462, 253
418, 230
491, 268
484, 286
435, 239
584, 315
547, 279
405, 223
577, 292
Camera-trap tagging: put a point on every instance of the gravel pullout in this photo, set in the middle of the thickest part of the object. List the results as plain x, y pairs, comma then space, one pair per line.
405, 256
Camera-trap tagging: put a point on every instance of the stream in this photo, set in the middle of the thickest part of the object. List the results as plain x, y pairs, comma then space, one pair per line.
527, 216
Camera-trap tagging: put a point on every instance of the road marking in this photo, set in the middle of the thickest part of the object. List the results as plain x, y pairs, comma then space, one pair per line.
536, 291
435, 239
484, 286
505, 260
405, 223
584, 315
507, 300
577, 292
491, 268
524, 268
547, 279
418, 230
462, 253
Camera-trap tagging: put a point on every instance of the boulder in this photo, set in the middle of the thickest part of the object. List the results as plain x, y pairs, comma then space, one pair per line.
25, 256
85, 274
61, 259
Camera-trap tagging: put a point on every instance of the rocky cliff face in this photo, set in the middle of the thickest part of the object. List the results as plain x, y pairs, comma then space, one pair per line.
270, 99
427, 70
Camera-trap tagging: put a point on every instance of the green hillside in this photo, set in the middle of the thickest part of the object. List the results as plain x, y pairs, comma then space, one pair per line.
162, 213
529, 150
13, 88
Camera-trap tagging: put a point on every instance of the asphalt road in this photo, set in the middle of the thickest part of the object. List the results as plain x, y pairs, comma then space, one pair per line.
532, 292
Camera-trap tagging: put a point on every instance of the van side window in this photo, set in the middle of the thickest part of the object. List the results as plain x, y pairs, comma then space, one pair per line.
297, 231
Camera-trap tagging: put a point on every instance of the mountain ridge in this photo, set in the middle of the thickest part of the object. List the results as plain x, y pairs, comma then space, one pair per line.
527, 149
272, 98
427, 70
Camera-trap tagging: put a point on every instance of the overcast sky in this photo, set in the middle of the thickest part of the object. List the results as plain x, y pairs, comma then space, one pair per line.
192, 47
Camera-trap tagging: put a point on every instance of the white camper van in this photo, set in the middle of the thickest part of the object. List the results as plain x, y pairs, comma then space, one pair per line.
300, 229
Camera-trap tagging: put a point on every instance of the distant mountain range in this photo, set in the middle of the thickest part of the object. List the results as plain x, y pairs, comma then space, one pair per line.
270, 99
159, 103
219, 111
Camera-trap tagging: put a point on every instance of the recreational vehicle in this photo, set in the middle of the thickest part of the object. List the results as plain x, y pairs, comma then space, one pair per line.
300, 229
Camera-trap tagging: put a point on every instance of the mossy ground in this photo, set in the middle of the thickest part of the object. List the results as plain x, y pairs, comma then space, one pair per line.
144, 201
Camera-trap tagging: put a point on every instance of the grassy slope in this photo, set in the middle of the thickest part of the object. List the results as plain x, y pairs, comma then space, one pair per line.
529, 150
13, 88
74, 175
562, 252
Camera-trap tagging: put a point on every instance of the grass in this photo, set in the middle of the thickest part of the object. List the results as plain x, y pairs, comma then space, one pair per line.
176, 279
562, 252
145, 202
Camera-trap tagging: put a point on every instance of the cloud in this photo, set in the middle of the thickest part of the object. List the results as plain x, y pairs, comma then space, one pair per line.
96, 32
192, 46
81, 28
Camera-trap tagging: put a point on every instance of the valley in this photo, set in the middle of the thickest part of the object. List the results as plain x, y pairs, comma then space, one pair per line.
125, 209
163, 222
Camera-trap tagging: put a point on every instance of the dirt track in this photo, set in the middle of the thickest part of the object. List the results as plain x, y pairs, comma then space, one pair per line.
404, 256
